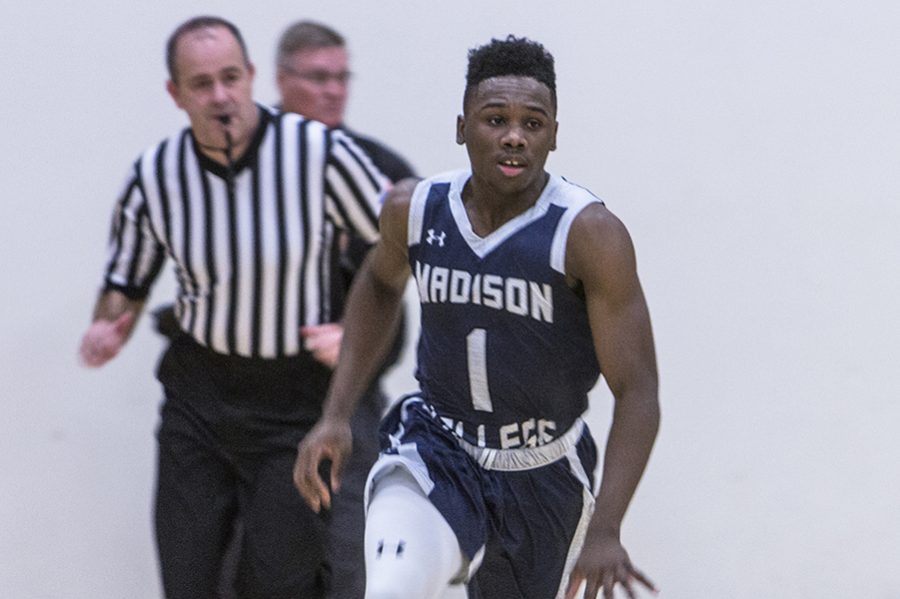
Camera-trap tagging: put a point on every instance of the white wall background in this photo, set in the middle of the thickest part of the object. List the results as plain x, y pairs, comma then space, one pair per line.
751, 148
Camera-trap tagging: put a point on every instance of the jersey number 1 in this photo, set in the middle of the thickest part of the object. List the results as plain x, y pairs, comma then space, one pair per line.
476, 350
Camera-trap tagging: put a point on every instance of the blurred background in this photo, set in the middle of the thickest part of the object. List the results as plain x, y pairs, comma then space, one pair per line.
752, 150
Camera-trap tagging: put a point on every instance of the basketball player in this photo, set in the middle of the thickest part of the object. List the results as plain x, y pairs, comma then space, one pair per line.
529, 291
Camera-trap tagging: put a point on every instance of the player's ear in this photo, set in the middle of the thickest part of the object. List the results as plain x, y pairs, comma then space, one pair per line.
461, 130
555, 131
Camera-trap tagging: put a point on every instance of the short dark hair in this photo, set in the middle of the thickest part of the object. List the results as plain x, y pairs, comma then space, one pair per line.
194, 24
517, 56
303, 35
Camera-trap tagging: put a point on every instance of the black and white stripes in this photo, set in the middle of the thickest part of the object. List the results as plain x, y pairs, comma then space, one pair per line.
252, 265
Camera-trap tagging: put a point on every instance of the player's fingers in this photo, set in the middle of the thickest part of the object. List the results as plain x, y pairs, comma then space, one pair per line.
609, 583
318, 493
300, 483
323, 493
318, 484
298, 478
591, 588
575, 581
642, 578
626, 584
337, 472
622, 575
307, 480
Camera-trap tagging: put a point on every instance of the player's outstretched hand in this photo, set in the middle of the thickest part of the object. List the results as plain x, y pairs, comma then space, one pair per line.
603, 564
330, 440
103, 340
323, 341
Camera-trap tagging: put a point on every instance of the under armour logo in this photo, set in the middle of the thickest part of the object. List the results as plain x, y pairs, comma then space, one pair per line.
439, 238
401, 545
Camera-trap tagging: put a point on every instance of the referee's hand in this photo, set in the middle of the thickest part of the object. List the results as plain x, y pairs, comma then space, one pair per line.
323, 341
330, 440
103, 340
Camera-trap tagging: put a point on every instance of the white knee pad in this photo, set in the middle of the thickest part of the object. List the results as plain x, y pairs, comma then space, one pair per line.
411, 551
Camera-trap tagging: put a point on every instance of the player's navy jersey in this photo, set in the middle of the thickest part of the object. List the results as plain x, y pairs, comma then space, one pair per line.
505, 352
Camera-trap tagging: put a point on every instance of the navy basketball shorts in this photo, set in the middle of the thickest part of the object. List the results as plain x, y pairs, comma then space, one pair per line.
520, 515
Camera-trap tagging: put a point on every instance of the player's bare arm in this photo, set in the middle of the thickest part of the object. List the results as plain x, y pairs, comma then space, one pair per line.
113, 322
600, 256
370, 319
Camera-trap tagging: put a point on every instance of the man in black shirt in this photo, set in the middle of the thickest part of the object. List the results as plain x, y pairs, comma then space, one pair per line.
313, 78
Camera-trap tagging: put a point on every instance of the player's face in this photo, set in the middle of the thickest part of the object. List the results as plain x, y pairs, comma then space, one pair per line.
509, 127
315, 82
214, 80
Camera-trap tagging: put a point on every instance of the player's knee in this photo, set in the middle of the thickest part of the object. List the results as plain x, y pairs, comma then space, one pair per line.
411, 551
385, 587
378, 593
404, 584
398, 567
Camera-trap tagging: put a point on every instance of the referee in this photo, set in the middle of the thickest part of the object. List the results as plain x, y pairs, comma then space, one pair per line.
247, 203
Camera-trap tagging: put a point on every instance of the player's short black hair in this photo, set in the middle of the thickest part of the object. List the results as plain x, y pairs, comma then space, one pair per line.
191, 25
518, 56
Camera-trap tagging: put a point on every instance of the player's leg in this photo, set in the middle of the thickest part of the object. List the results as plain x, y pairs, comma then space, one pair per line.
546, 512
411, 551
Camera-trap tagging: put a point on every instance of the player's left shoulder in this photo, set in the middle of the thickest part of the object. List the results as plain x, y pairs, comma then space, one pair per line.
598, 243
596, 219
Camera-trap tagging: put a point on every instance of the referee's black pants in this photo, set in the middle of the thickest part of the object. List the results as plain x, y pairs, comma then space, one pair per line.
227, 444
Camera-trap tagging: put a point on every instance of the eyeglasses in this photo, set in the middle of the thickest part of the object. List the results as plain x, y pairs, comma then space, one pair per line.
319, 77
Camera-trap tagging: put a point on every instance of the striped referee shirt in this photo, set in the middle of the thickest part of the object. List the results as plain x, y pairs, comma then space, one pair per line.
250, 243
